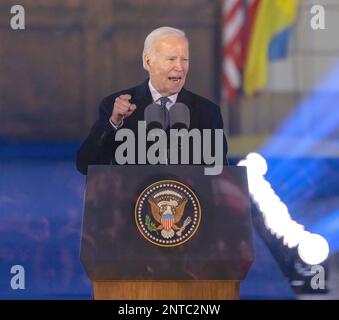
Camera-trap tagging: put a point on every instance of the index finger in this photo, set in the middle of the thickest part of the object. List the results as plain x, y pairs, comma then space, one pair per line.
125, 97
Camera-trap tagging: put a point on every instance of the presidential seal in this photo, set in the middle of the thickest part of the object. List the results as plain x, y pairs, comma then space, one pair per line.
167, 213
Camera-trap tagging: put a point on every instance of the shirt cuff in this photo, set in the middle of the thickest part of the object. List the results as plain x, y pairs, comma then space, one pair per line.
114, 126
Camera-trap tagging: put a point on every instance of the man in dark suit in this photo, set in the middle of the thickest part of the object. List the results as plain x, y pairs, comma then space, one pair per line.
166, 58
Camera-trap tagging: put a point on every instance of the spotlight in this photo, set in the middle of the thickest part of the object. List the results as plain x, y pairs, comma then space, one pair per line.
312, 248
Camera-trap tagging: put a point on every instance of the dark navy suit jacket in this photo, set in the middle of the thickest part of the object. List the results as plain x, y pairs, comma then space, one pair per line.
99, 146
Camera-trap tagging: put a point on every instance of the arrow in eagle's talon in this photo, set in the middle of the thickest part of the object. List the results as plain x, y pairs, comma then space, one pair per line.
184, 225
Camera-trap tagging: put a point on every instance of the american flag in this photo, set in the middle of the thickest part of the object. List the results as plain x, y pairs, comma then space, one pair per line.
167, 221
238, 17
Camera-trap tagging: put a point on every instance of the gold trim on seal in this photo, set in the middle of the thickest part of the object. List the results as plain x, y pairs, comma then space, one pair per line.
159, 195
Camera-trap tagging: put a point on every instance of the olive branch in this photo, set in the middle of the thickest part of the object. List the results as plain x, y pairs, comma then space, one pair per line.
150, 225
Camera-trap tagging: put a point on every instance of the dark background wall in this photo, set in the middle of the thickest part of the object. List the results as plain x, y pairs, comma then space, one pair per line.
72, 53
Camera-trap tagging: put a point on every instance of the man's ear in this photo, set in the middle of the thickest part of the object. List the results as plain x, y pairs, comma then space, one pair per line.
147, 61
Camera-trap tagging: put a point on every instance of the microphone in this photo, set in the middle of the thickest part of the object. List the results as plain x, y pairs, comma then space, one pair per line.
154, 117
179, 116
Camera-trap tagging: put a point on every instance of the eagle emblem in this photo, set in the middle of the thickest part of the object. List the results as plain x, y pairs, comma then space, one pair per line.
168, 213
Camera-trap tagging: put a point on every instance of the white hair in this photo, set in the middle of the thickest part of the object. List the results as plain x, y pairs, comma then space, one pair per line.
156, 35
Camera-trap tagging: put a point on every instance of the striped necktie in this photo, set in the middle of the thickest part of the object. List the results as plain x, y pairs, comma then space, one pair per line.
163, 101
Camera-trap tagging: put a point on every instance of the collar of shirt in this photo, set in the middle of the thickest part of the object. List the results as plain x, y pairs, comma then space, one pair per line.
156, 96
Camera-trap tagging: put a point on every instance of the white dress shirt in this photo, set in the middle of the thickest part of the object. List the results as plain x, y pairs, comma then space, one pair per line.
156, 96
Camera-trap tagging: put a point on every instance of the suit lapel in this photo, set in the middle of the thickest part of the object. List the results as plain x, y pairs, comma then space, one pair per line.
186, 97
143, 98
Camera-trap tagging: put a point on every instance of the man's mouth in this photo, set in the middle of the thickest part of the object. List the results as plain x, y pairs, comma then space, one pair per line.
174, 79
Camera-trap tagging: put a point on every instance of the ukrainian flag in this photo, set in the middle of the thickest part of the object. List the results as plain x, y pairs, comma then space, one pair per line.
273, 17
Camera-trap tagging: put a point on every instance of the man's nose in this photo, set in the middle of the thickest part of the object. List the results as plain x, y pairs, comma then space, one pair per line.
179, 66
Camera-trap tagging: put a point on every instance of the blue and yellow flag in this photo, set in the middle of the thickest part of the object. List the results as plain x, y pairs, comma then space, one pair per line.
272, 18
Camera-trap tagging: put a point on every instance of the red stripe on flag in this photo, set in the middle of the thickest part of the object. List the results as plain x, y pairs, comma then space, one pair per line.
238, 19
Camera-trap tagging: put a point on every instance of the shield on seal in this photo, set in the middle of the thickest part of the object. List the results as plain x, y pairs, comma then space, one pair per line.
167, 221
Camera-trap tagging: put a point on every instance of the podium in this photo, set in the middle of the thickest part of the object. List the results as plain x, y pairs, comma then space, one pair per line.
166, 232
